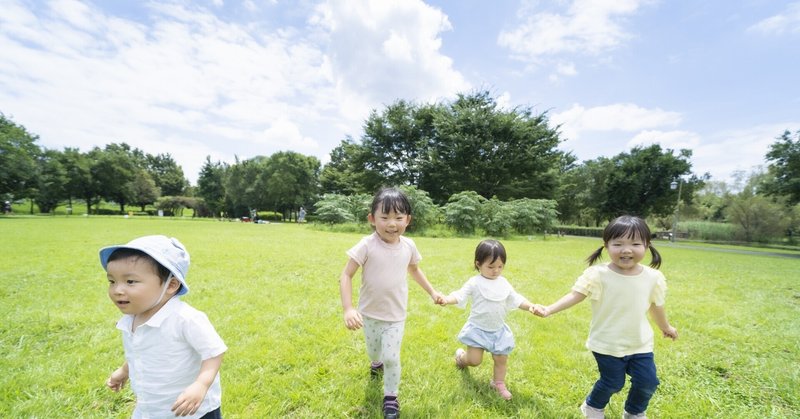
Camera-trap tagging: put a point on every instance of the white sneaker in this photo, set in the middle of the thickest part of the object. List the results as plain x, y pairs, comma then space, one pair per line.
460, 353
626, 415
592, 412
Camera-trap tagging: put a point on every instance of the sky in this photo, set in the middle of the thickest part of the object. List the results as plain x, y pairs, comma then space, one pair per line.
231, 80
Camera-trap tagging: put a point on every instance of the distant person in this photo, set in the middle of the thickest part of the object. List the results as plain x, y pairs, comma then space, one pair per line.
622, 292
7, 207
493, 298
301, 216
172, 352
387, 257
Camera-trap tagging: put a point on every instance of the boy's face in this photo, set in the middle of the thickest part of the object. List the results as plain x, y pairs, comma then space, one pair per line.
134, 286
389, 226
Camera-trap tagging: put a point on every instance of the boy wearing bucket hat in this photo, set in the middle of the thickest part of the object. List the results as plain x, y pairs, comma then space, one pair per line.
172, 352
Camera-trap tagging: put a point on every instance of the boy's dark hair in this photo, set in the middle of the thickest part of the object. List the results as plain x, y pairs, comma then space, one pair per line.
489, 250
124, 253
627, 226
391, 199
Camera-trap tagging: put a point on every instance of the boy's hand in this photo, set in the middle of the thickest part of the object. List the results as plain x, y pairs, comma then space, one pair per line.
671, 333
117, 379
189, 401
352, 319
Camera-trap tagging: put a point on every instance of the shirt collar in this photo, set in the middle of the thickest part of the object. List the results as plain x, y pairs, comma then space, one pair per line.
172, 305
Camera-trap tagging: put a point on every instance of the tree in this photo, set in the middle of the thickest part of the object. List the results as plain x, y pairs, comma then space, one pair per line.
50, 181
210, 186
784, 158
757, 217
144, 190
497, 217
78, 175
18, 154
166, 174
639, 182
291, 179
463, 211
582, 189
424, 213
346, 172
532, 215
115, 169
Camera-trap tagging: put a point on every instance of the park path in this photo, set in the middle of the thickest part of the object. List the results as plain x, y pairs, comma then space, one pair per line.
726, 250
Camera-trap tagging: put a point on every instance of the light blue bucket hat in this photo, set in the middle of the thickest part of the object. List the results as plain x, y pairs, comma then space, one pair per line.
167, 251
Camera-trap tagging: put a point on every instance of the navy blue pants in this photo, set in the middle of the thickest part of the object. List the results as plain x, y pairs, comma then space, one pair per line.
641, 368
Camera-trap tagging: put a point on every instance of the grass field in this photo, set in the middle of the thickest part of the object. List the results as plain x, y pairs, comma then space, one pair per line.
272, 293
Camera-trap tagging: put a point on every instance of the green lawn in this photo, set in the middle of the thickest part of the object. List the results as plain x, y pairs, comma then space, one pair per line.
272, 293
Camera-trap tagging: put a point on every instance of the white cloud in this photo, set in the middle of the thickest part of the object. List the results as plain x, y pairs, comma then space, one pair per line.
786, 21
675, 140
617, 117
723, 153
586, 27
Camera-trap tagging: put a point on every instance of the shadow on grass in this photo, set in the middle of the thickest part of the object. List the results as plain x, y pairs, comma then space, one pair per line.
521, 404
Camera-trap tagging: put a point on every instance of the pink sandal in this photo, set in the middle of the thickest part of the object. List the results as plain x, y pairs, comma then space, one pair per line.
500, 388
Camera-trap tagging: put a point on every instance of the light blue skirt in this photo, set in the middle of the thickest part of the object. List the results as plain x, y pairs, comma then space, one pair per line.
499, 342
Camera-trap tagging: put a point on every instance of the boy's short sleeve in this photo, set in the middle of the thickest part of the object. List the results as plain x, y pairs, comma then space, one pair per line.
589, 284
659, 294
201, 335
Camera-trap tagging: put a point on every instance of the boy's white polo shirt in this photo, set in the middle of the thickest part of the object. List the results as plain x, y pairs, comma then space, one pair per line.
164, 357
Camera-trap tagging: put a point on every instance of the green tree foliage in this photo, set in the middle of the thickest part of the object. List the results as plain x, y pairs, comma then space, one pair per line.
533, 215
78, 174
166, 173
639, 182
291, 180
338, 208
463, 211
757, 217
583, 188
497, 217
784, 159
210, 186
468, 144
18, 156
51, 179
424, 212
115, 169
144, 190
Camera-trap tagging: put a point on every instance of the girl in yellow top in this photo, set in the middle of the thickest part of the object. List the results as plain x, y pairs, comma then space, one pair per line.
622, 292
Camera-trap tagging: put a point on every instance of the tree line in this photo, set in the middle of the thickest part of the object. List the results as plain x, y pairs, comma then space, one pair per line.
466, 145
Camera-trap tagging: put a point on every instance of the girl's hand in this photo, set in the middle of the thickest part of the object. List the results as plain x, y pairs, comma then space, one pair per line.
540, 310
671, 333
438, 298
352, 319
116, 381
189, 401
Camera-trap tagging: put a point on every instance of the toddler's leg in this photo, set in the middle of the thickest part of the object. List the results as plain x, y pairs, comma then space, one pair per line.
372, 337
500, 365
642, 369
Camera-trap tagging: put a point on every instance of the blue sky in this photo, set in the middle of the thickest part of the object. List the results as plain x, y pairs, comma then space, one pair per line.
225, 78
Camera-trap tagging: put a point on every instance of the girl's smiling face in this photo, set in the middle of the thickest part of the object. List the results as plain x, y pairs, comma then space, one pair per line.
626, 253
389, 226
490, 269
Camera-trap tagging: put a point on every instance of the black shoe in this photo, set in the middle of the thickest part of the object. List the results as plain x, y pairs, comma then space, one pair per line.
391, 407
375, 371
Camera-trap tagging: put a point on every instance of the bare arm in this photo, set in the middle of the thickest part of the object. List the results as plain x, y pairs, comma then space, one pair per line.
422, 280
352, 318
659, 315
563, 303
191, 398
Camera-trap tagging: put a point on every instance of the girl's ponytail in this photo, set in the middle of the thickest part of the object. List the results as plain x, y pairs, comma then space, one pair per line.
656, 261
594, 256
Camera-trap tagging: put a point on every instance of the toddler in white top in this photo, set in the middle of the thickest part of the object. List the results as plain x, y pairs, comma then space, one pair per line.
172, 352
493, 298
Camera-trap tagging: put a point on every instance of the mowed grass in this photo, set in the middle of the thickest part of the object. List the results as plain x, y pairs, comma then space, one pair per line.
272, 293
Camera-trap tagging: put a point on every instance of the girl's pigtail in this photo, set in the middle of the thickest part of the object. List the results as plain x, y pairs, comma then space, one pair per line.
594, 256
656, 261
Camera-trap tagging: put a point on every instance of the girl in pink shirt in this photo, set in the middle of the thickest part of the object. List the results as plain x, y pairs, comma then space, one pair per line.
387, 257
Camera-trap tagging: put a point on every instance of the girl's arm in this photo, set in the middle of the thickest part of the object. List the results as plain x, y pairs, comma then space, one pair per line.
422, 280
659, 314
563, 303
191, 398
352, 318
118, 378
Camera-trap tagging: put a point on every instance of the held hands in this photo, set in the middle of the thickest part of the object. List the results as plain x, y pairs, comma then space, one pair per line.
352, 319
189, 401
439, 298
117, 379
539, 310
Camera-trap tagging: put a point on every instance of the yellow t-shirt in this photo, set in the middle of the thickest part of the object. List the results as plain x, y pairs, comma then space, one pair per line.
619, 308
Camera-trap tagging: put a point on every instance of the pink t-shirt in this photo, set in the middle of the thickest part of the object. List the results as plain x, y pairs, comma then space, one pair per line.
384, 285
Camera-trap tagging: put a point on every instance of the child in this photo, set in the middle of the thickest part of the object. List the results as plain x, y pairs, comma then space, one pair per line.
493, 298
620, 337
386, 257
172, 352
